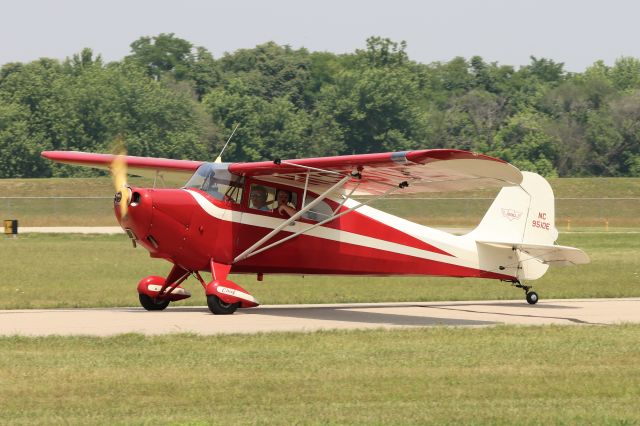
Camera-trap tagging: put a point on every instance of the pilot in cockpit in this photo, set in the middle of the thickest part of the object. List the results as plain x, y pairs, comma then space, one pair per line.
210, 186
258, 198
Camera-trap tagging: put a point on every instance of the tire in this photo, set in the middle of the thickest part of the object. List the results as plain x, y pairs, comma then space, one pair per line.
152, 304
532, 297
218, 307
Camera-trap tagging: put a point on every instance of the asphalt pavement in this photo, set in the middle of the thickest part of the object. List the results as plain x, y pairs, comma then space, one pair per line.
306, 318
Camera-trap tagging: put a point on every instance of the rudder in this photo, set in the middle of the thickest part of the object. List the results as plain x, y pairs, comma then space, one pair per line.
523, 214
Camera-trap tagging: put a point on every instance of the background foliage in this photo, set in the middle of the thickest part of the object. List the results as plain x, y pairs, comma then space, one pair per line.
172, 99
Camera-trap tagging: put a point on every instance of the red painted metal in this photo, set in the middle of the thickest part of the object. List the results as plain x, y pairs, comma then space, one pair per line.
104, 160
187, 236
152, 286
346, 163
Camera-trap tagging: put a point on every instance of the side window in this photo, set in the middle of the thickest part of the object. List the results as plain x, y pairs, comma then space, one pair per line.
319, 212
281, 202
261, 197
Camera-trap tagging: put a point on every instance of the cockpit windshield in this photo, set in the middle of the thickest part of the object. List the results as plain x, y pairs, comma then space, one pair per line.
216, 180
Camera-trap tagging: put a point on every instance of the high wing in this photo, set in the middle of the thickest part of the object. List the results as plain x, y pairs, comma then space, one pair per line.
148, 167
431, 170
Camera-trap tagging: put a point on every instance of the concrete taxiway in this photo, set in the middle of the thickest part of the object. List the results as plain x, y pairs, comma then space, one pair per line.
303, 318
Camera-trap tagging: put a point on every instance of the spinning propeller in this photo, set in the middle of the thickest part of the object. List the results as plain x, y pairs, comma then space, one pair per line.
118, 169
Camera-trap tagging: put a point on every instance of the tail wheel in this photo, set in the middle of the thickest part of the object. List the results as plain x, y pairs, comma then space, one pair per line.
218, 307
532, 297
152, 304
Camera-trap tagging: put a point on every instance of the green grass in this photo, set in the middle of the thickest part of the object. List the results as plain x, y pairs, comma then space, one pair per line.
72, 270
84, 187
62, 187
570, 214
497, 375
93, 208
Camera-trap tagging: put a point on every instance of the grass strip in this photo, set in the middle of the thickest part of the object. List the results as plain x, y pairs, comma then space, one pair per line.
66, 271
497, 375
580, 202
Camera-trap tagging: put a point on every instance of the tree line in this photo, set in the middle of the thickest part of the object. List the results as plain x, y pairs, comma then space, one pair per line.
172, 99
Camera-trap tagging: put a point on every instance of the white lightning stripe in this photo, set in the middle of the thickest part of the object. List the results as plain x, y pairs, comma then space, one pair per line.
336, 235
178, 290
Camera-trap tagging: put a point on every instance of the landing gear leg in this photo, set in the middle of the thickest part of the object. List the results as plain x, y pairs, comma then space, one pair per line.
531, 296
155, 293
224, 296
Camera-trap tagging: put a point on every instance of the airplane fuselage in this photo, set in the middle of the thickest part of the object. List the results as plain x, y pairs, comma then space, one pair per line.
190, 228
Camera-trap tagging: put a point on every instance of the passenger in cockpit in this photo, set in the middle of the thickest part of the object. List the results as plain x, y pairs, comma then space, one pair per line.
283, 203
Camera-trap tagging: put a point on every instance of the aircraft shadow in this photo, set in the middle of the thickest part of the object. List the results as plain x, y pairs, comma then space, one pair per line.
354, 313
346, 314
343, 313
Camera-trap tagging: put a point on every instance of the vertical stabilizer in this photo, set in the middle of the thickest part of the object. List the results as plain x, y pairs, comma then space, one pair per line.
522, 214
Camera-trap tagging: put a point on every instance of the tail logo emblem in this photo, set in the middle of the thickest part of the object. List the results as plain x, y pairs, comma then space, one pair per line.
511, 214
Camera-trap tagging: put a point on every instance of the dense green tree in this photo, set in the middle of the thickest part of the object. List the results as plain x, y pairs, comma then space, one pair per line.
162, 54
204, 72
270, 129
171, 99
524, 141
376, 100
625, 114
382, 53
604, 141
625, 74
269, 71
82, 105
19, 146
545, 70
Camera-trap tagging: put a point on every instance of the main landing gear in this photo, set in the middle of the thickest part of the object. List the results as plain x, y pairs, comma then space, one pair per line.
155, 293
223, 296
153, 303
219, 307
532, 296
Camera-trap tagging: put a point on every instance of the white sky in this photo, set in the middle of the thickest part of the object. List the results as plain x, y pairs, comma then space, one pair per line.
507, 31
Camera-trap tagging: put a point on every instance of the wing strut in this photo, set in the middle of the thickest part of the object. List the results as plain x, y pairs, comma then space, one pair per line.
344, 199
248, 252
254, 249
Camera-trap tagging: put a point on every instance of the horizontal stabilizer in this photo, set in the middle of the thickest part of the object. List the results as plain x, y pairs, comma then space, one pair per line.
547, 254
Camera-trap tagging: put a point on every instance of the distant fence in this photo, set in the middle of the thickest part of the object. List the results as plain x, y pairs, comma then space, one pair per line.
571, 213
58, 211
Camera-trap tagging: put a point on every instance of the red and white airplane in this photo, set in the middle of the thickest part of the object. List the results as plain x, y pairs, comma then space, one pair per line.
298, 217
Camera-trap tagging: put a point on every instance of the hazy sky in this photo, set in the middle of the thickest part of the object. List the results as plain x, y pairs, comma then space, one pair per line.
507, 31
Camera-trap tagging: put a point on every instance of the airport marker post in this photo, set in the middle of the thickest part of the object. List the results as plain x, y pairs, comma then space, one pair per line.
11, 227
